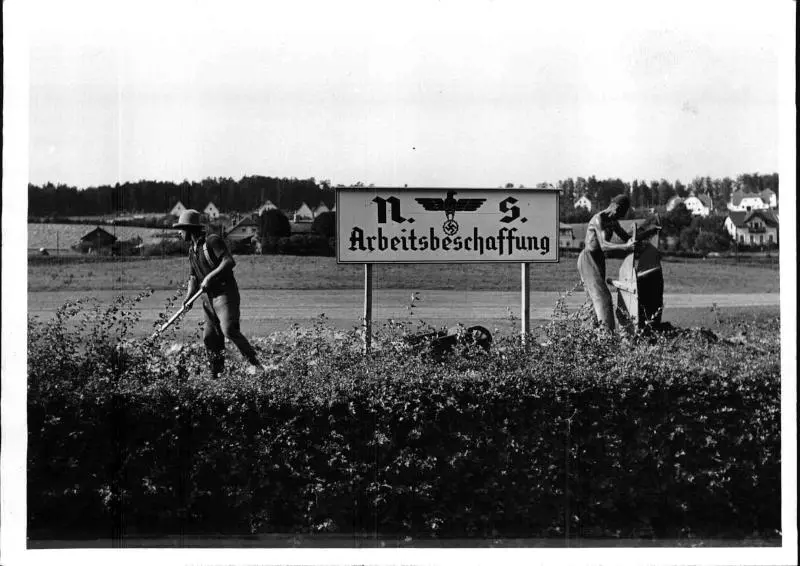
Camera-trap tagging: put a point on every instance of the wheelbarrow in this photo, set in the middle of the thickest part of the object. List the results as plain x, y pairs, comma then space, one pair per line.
640, 287
442, 342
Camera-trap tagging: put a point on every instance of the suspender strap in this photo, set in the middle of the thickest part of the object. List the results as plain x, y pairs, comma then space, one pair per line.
207, 253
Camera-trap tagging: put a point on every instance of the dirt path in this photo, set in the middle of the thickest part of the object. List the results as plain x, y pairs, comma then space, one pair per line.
269, 310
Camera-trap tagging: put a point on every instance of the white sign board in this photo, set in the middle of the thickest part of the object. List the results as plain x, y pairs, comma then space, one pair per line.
394, 225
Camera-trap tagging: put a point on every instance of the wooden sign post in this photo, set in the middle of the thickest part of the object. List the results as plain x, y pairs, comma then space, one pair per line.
367, 308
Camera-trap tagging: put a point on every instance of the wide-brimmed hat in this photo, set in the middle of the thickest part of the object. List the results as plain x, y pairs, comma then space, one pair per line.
188, 219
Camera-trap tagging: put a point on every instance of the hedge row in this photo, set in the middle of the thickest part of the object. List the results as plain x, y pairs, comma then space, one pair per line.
673, 436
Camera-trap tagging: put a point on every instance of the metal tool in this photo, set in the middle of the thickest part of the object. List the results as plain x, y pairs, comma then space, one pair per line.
178, 314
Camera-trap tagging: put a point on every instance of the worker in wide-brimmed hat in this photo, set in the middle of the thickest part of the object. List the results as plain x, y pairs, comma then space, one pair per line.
592, 259
211, 269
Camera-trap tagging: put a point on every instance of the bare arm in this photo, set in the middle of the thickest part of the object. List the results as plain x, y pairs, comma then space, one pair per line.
606, 244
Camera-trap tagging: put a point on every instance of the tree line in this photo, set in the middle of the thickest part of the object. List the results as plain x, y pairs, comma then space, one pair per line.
158, 197
655, 194
250, 192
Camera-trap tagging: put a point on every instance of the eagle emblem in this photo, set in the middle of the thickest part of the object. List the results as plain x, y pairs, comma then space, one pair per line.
450, 205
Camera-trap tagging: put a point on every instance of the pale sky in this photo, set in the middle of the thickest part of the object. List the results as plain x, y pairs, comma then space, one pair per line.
421, 93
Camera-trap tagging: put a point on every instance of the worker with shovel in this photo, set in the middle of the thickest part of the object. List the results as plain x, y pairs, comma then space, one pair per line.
211, 270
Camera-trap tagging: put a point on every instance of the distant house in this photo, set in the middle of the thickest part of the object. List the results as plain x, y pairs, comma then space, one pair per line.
211, 211
673, 202
565, 235
265, 207
584, 202
698, 204
321, 209
572, 236
244, 229
98, 241
742, 201
753, 228
177, 209
303, 214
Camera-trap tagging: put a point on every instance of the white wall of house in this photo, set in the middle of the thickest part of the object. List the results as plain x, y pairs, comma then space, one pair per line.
265, 207
751, 202
211, 211
753, 233
321, 209
177, 209
303, 213
696, 206
584, 202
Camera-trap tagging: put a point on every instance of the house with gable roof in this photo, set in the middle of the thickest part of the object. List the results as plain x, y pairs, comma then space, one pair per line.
699, 204
245, 229
753, 228
269, 205
321, 208
177, 209
742, 201
584, 202
211, 211
303, 214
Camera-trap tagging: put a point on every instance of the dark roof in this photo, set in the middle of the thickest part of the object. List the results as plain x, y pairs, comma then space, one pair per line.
98, 232
246, 221
739, 194
742, 217
704, 198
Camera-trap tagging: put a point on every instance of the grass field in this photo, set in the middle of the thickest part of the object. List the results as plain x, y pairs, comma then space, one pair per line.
65, 235
294, 272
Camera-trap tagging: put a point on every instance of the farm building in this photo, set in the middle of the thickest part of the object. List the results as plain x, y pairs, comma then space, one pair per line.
244, 229
211, 211
745, 202
753, 228
698, 204
177, 209
584, 202
97, 241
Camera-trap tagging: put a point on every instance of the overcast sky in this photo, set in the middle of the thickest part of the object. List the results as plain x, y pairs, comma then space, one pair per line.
420, 93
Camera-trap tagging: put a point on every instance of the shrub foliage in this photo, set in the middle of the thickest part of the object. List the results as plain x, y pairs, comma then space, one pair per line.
674, 435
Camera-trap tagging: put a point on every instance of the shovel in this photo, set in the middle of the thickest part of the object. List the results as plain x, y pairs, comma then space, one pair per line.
177, 315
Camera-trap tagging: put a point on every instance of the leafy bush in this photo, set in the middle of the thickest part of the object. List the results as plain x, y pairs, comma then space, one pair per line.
274, 224
325, 224
677, 433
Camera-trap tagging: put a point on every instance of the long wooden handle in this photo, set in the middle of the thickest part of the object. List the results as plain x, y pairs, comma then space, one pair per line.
175, 316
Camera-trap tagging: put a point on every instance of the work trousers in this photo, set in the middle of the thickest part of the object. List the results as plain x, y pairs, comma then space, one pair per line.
221, 315
592, 269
